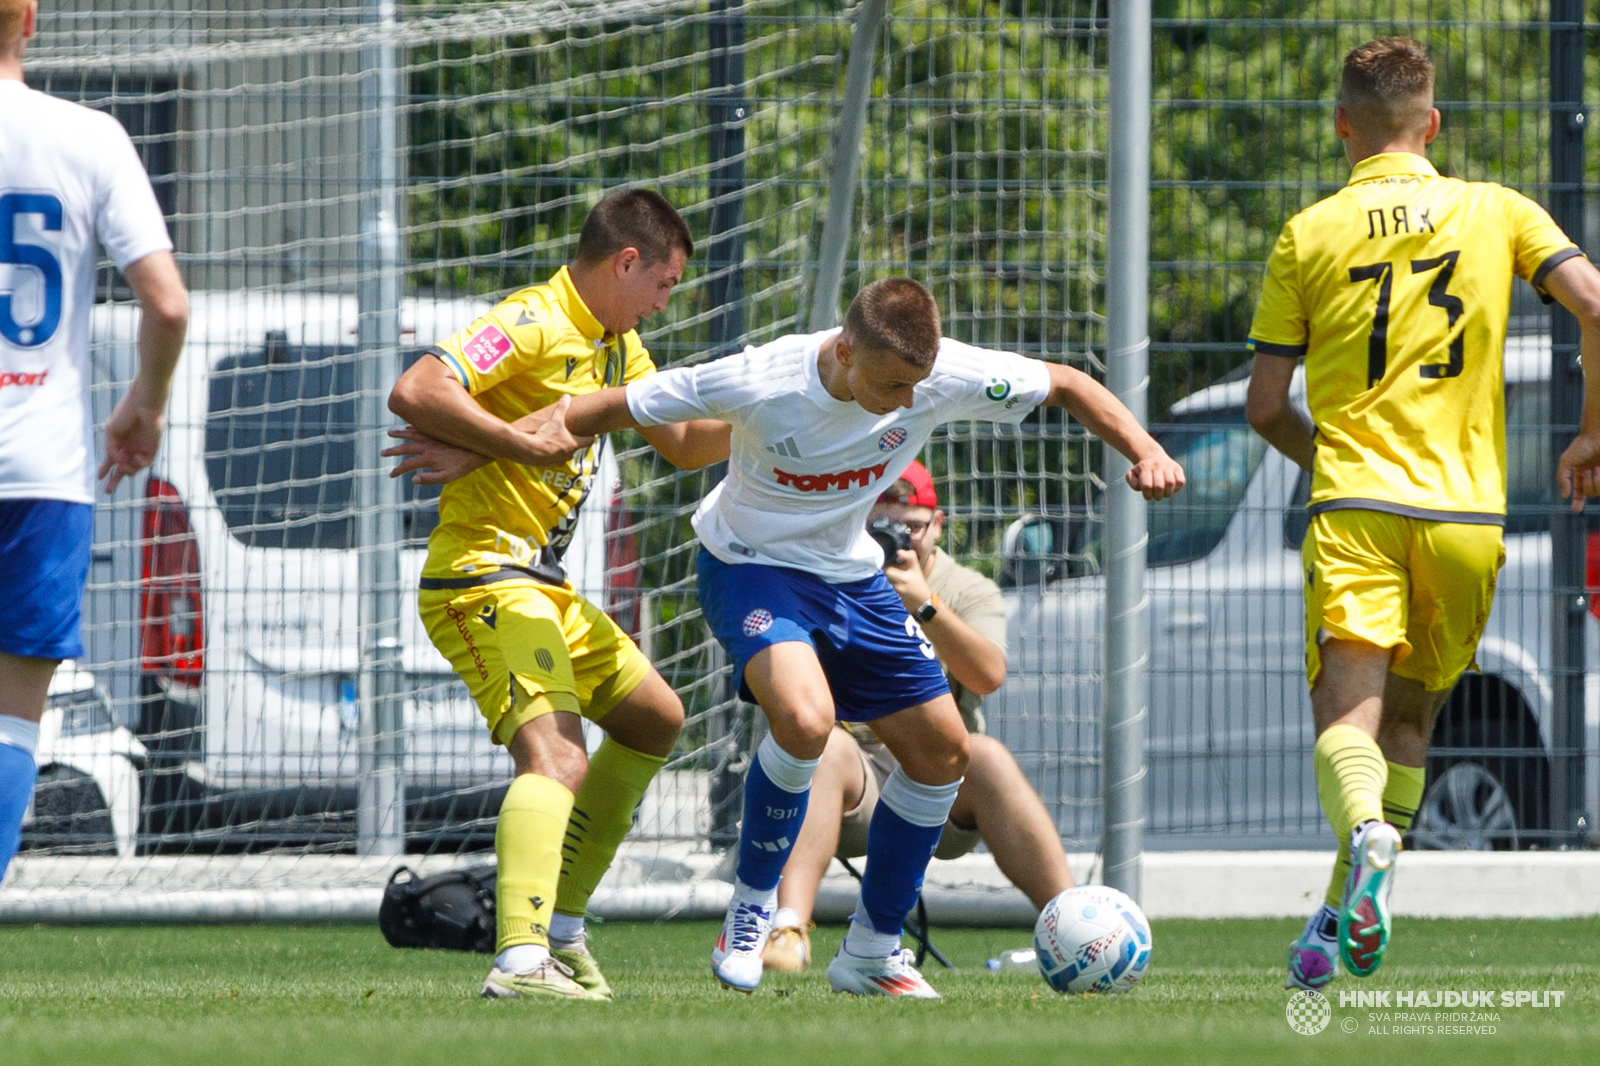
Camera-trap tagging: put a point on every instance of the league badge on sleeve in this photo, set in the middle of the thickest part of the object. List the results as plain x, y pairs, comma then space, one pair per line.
485, 348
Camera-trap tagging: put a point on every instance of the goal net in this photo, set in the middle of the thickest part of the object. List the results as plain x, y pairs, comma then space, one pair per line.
208, 758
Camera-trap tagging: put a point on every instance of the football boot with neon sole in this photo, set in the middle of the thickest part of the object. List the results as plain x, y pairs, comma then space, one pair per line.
1314, 954
1312, 964
585, 971
548, 980
1364, 922
894, 976
736, 960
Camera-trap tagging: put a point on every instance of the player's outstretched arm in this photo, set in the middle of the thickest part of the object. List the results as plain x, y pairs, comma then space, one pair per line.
1155, 474
1576, 283
1273, 415
687, 445
602, 411
133, 432
691, 445
429, 397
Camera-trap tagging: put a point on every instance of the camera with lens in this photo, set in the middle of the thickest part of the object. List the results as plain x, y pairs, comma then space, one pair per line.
892, 536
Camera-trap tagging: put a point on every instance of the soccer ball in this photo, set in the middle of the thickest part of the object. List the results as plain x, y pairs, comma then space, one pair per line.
1092, 939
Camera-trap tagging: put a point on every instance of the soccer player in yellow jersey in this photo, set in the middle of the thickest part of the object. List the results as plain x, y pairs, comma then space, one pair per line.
535, 653
1395, 290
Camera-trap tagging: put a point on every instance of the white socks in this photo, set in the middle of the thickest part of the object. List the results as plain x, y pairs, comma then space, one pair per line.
784, 770
787, 918
520, 958
565, 929
919, 804
566, 932
19, 733
1323, 925
743, 893
865, 942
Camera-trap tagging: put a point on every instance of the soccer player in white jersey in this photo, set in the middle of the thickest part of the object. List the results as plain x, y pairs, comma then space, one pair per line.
790, 582
69, 177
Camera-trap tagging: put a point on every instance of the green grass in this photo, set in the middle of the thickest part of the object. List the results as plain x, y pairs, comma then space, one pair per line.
231, 996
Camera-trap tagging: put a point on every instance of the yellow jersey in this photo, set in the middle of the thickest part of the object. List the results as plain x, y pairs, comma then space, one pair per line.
1396, 290
531, 349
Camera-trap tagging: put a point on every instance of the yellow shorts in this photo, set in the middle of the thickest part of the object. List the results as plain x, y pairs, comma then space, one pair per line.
1422, 588
526, 649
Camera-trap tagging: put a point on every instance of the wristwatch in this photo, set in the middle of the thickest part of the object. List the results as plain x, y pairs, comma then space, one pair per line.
925, 613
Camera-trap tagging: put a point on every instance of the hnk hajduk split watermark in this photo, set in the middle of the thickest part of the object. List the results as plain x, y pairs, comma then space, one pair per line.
1417, 1012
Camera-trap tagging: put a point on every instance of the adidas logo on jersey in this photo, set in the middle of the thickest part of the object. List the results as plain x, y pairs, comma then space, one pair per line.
786, 447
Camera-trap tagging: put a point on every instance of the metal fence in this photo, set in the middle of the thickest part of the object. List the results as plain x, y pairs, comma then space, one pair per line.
230, 610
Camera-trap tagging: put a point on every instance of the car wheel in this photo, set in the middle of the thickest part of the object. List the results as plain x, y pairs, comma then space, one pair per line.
70, 815
1465, 809
1487, 728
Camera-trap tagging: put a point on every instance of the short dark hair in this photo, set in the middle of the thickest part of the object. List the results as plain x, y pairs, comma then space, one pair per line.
634, 218
895, 316
1387, 86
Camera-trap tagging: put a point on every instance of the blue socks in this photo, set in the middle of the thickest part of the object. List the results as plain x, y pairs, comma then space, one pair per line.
19, 739
775, 795
901, 839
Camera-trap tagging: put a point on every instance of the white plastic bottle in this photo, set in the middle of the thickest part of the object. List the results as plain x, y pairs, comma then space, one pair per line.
1015, 960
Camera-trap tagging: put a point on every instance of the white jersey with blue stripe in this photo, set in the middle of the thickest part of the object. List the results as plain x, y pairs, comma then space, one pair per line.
69, 180
806, 467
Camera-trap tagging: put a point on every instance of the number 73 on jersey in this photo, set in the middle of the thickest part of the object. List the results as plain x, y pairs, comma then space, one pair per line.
1443, 268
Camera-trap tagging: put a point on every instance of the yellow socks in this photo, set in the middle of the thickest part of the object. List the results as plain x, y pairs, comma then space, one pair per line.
1351, 775
554, 846
1402, 795
527, 842
602, 814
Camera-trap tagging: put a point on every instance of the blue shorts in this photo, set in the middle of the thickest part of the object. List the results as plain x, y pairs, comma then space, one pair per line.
44, 562
873, 653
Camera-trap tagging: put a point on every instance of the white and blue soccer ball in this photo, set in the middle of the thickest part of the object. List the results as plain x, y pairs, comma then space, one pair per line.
1092, 939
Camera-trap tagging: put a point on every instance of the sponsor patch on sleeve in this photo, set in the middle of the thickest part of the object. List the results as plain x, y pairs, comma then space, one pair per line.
485, 348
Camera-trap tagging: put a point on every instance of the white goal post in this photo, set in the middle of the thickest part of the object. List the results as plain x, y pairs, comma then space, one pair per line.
208, 757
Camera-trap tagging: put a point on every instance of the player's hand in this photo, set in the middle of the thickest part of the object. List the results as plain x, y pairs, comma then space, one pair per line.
133, 433
549, 442
1156, 478
906, 578
429, 461
1578, 470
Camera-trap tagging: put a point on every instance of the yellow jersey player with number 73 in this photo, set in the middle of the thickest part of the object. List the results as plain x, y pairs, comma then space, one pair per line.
1395, 291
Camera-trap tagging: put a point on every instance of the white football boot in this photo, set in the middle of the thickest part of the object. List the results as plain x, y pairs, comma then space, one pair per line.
736, 960
893, 976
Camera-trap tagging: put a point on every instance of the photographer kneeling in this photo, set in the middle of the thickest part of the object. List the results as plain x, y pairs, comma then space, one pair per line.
963, 622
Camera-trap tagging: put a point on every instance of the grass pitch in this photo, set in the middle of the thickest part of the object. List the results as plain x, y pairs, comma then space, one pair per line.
232, 996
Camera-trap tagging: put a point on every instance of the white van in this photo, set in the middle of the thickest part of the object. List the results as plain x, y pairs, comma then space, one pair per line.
86, 801
235, 578
1230, 731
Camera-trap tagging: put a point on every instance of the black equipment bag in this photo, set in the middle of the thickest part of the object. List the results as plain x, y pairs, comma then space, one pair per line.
453, 910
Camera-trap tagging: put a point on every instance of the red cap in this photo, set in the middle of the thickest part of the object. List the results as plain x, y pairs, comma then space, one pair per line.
914, 487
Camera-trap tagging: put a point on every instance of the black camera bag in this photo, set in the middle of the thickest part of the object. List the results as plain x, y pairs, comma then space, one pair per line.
452, 910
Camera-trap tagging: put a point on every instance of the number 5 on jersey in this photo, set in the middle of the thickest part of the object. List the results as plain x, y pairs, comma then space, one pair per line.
1438, 296
19, 254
